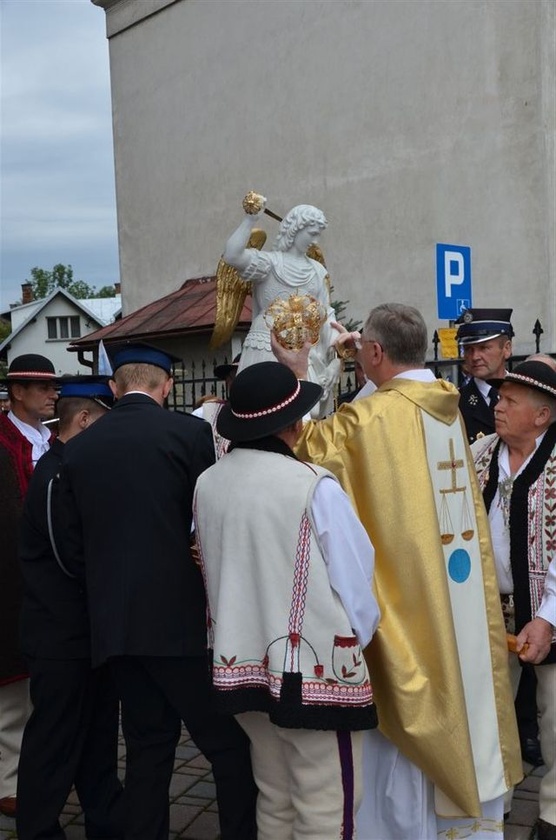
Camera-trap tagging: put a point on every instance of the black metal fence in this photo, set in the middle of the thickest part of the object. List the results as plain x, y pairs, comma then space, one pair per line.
194, 382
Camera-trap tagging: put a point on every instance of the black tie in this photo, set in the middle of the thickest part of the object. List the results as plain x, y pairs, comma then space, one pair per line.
492, 397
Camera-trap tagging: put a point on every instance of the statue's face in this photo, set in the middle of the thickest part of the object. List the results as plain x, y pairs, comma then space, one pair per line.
307, 236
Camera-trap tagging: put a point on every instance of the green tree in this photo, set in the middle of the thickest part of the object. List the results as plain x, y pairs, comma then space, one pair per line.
339, 307
105, 292
5, 329
44, 282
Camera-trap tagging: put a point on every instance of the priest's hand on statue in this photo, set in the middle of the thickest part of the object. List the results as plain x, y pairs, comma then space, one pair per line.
296, 360
347, 344
537, 635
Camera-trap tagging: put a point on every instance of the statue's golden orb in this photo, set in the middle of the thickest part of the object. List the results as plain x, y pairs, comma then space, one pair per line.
295, 320
253, 203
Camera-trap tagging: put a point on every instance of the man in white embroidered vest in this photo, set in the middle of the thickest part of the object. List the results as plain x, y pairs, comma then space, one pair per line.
447, 749
288, 570
485, 340
517, 473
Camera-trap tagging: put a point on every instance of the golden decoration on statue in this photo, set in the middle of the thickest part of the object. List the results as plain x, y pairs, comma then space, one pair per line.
253, 203
231, 292
346, 352
295, 320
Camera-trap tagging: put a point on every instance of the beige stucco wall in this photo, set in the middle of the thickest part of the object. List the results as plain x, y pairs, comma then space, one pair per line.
409, 122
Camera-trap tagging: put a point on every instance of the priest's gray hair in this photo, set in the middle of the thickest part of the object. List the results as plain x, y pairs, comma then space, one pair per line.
298, 218
401, 331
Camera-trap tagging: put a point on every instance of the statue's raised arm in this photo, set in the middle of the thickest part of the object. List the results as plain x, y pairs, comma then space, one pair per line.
236, 253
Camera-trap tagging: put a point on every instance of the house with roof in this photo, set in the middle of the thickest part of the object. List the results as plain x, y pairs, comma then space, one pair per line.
181, 323
49, 325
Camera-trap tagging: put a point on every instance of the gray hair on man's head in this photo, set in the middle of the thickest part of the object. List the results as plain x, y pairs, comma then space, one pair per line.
298, 218
541, 400
542, 357
400, 330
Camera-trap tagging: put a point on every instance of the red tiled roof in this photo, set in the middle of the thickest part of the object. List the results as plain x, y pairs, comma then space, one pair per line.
192, 309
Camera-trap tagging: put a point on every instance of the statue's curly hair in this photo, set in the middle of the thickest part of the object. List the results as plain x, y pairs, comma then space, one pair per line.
298, 218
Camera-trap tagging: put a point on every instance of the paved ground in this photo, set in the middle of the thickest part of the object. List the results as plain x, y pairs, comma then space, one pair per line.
194, 815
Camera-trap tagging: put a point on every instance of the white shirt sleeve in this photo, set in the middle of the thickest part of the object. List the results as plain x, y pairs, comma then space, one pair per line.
349, 556
547, 609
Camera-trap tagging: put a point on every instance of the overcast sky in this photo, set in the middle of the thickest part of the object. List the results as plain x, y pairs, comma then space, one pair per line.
57, 169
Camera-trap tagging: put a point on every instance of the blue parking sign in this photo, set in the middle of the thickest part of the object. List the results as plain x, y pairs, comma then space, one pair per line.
453, 280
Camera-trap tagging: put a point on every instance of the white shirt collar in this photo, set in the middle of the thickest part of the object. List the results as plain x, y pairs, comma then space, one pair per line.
504, 457
38, 438
483, 387
34, 435
417, 375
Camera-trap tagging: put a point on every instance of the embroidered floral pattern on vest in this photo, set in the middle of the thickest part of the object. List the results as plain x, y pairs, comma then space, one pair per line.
541, 519
348, 684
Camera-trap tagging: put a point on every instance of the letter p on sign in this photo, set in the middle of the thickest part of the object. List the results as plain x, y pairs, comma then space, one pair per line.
453, 280
454, 273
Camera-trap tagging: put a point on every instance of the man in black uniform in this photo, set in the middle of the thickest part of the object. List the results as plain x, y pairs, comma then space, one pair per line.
72, 734
485, 335
127, 486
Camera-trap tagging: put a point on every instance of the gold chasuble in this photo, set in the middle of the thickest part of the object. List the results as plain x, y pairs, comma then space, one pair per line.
438, 661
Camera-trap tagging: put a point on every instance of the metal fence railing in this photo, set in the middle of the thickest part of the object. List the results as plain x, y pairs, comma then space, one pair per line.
193, 382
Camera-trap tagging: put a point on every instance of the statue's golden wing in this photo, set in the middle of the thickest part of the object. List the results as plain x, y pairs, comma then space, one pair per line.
231, 291
314, 251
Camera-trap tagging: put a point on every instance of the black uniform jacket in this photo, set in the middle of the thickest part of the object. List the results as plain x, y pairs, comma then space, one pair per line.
126, 493
477, 414
54, 623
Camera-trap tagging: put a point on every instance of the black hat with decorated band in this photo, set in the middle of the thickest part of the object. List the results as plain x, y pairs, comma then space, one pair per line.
536, 375
476, 325
264, 399
30, 367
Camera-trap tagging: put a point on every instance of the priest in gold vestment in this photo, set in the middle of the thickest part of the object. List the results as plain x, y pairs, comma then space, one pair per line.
448, 748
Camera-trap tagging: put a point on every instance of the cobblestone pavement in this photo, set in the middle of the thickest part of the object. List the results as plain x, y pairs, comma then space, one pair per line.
194, 815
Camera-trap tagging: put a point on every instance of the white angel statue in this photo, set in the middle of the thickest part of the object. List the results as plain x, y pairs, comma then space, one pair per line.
282, 272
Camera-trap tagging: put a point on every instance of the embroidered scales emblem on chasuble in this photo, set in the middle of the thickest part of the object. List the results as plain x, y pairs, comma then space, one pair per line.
462, 556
